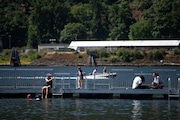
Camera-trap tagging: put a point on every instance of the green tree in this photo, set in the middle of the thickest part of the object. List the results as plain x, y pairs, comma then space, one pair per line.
140, 30
83, 13
120, 19
164, 16
72, 31
48, 18
99, 23
14, 22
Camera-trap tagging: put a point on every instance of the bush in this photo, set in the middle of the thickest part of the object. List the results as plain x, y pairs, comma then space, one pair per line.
32, 55
99, 53
136, 54
103, 53
5, 55
156, 54
176, 51
128, 55
79, 55
113, 59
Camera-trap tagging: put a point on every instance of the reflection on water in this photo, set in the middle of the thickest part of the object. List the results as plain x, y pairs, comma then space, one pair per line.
46, 105
137, 110
174, 110
89, 109
79, 108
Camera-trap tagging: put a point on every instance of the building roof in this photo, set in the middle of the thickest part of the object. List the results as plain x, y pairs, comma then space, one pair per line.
51, 46
135, 43
54, 44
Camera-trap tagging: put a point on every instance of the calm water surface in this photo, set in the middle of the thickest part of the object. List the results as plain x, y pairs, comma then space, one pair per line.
94, 109
89, 109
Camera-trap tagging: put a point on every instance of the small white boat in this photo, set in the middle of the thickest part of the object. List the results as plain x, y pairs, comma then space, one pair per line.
101, 76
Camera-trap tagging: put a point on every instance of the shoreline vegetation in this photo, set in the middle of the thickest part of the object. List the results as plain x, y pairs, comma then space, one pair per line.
121, 57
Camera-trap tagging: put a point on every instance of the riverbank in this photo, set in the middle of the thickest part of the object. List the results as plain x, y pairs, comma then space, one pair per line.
82, 59
72, 59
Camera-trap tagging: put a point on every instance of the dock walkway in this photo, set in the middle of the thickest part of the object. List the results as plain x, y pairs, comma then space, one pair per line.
20, 82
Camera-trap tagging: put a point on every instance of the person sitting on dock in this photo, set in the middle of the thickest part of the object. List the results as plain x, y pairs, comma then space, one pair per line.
137, 83
45, 89
80, 77
157, 83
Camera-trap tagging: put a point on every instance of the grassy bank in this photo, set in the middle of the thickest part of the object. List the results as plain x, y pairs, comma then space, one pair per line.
121, 56
26, 57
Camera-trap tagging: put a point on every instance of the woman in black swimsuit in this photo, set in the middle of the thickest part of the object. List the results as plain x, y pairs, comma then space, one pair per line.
45, 89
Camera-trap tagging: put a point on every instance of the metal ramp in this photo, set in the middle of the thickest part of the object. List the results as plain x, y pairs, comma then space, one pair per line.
173, 93
61, 82
57, 92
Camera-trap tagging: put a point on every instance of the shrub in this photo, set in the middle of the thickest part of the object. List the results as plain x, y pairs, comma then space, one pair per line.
99, 53
137, 54
79, 55
156, 54
32, 55
5, 55
176, 51
128, 55
113, 59
103, 53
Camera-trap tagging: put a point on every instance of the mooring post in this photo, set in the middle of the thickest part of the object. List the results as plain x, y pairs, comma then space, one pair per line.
169, 87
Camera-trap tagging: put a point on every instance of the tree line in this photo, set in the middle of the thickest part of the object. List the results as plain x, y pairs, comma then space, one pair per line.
31, 22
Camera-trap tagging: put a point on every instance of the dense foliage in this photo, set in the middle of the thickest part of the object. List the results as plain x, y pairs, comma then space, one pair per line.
31, 22
129, 55
124, 55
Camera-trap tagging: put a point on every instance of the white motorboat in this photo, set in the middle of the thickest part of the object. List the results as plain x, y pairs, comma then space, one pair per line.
101, 76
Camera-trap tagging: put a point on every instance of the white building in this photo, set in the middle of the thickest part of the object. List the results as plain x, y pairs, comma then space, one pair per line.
84, 45
52, 47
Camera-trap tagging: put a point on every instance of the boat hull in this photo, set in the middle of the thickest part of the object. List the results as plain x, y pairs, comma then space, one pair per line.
101, 76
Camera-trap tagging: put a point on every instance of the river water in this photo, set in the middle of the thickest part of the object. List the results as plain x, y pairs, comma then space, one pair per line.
93, 109
89, 109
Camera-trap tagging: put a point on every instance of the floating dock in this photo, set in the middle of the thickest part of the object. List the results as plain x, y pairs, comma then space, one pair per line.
123, 93
20, 82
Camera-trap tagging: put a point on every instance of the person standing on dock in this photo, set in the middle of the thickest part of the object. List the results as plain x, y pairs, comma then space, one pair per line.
80, 77
45, 89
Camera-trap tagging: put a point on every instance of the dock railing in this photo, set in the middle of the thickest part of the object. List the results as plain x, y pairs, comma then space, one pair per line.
14, 78
23, 78
8, 78
62, 80
102, 82
124, 78
173, 92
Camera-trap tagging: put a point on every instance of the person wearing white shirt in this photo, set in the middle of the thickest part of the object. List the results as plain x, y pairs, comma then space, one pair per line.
137, 82
157, 83
94, 71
